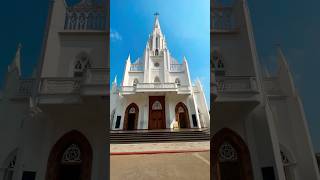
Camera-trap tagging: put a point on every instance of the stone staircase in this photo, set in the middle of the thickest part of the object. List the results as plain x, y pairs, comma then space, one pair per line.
143, 136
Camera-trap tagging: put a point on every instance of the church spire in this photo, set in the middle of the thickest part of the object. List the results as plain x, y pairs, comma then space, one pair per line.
15, 65
156, 22
156, 40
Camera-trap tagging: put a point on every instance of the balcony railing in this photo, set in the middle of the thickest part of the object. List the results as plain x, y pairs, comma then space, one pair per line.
86, 16
96, 76
155, 87
236, 84
223, 20
271, 86
59, 86
176, 68
25, 88
136, 67
93, 77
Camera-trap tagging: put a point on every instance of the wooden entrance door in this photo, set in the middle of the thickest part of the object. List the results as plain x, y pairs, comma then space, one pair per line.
157, 112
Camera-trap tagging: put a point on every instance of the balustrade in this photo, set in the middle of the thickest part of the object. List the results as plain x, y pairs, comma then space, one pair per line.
136, 67
236, 84
176, 67
96, 76
223, 19
85, 16
25, 87
59, 86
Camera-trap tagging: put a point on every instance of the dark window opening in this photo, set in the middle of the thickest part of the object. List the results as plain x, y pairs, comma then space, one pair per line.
118, 122
268, 173
194, 120
28, 175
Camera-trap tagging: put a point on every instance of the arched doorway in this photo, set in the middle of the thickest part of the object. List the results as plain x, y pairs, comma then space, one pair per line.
131, 117
70, 158
230, 157
182, 115
157, 115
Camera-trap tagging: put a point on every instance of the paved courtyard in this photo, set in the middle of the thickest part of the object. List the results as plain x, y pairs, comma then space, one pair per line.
159, 147
163, 166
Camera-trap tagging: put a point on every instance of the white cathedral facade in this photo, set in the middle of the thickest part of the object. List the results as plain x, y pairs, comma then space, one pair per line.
53, 125
258, 127
157, 92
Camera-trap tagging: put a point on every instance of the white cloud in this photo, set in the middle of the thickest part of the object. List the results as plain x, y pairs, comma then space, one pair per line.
115, 35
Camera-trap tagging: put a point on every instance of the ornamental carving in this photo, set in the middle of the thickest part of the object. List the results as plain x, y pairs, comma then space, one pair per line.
227, 153
132, 110
72, 155
156, 106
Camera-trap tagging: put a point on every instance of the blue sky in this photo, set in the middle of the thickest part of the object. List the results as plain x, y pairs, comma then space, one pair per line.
293, 24
185, 24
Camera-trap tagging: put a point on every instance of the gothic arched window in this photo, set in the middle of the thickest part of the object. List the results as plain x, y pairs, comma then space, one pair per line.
82, 63
156, 53
156, 106
177, 81
135, 82
217, 64
156, 80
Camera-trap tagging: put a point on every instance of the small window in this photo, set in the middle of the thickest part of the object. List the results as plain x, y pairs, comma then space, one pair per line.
118, 122
135, 82
177, 81
156, 64
82, 63
218, 65
268, 173
156, 52
28, 175
194, 120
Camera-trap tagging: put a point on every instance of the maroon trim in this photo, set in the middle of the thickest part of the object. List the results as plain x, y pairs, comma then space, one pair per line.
187, 120
125, 123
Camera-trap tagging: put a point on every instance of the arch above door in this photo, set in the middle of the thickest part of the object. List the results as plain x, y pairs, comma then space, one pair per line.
131, 117
182, 115
73, 140
230, 152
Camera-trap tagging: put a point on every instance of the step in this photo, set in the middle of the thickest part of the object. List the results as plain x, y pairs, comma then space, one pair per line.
159, 136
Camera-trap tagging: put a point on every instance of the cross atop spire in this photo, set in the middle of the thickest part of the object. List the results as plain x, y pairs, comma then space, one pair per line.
156, 14
156, 21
